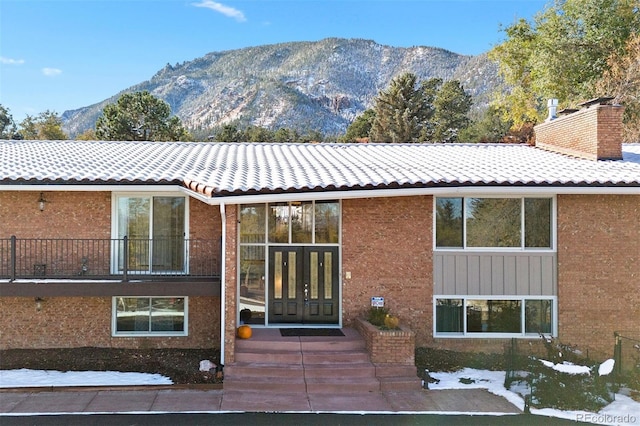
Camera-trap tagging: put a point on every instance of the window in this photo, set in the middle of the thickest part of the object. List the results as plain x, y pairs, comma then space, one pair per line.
155, 227
286, 223
472, 222
473, 316
164, 316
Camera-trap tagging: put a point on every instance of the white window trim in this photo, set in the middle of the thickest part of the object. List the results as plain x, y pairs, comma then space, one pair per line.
115, 196
114, 320
522, 335
522, 247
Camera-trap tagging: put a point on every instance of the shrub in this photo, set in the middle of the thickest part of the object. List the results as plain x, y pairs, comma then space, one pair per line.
376, 316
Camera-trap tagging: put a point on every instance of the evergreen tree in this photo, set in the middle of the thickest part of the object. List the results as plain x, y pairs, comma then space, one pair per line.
401, 111
139, 116
359, 129
8, 128
451, 109
228, 133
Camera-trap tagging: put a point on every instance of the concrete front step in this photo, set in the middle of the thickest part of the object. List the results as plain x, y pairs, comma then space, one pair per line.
269, 357
335, 357
244, 370
354, 369
320, 365
342, 385
270, 384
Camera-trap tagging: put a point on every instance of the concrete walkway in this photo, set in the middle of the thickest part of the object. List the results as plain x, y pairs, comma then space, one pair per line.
148, 400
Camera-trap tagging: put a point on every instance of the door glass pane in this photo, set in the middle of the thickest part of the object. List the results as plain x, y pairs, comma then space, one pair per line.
313, 274
277, 275
328, 276
301, 222
133, 222
449, 222
252, 294
493, 222
278, 223
292, 284
537, 222
327, 219
168, 234
252, 218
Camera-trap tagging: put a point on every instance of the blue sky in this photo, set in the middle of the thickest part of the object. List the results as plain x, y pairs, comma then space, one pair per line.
65, 54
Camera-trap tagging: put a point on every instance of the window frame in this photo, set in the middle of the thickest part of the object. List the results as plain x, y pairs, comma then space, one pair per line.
149, 333
522, 247
115, 224
475, 335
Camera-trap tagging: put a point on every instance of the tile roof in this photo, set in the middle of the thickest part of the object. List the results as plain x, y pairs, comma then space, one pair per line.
245, 168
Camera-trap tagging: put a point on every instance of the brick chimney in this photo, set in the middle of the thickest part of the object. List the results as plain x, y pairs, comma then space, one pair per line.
593, 132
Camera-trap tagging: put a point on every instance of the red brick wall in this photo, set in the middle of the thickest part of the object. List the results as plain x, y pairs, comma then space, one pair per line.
388, 346
65, 215
593, 133
231, 283
67, 322
86, 321
387, 248
598, 269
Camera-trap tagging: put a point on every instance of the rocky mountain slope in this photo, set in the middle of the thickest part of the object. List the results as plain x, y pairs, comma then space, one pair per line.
319, 85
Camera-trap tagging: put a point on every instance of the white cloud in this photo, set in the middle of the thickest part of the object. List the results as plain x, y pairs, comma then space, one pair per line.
229, 11
11, 61
51, 72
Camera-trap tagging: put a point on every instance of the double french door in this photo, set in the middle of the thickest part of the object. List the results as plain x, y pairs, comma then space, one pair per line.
303, 285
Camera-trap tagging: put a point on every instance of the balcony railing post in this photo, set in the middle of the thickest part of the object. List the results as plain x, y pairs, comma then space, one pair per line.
13, 257
125, 261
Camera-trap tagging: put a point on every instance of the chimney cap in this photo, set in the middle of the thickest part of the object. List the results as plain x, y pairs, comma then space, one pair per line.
603, 100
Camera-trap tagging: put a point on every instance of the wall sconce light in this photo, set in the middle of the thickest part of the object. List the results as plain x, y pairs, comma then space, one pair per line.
41, 202
39, 301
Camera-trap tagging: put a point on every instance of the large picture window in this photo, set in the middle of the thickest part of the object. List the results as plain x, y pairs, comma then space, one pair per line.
149, 316
473, 222
155, 230
473, 316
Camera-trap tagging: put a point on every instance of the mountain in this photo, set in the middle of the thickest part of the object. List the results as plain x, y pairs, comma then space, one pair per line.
320, 85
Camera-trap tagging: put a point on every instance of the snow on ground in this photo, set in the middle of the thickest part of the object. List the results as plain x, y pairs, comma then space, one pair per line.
36, 378
623, 410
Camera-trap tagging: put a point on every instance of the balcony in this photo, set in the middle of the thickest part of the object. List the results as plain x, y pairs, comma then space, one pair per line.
125, 259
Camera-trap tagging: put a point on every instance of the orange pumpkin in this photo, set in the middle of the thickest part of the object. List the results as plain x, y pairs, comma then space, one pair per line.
244, 332
391, 322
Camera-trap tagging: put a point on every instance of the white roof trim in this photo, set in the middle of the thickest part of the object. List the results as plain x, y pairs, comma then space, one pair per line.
92, 188
408, 192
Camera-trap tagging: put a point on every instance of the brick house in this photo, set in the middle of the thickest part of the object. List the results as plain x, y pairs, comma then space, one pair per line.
127, 244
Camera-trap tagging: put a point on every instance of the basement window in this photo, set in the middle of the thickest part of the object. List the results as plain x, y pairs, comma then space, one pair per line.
151, 316
502, 316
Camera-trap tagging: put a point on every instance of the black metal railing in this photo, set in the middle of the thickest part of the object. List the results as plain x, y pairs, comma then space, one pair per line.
124, 258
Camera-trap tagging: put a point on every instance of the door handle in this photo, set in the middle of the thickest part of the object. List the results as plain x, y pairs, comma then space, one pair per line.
306, 292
